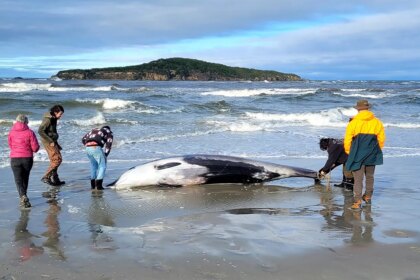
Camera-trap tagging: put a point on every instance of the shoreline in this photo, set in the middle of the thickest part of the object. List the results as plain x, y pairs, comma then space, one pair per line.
289, 229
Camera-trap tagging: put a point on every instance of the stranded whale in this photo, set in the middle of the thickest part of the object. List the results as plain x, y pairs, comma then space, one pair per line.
206, 169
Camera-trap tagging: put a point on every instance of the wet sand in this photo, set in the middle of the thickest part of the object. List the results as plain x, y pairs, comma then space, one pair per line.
289, 229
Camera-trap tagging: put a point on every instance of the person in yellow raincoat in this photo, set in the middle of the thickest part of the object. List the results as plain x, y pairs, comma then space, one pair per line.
363, 142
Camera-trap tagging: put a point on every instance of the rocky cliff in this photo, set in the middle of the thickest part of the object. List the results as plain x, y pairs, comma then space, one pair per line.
177, 69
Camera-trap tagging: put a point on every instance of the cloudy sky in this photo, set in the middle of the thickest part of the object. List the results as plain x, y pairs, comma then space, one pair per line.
329, 39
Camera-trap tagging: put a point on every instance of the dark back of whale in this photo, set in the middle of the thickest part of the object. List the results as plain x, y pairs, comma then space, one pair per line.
222, 169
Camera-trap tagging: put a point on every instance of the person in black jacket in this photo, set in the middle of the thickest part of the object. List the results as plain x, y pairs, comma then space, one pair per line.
336, 157
98, 143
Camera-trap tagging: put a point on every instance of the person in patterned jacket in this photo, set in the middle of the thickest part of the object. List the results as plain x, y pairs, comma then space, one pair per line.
98, 143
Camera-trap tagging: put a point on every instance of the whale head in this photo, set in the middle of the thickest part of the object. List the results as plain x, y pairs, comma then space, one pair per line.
171, 171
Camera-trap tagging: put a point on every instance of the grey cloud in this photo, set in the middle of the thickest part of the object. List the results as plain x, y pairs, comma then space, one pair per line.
60, 27
373, 47
376, 45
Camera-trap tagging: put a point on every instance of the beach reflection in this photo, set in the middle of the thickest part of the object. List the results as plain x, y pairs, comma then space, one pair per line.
362, 226
100, 214
359, 223
53, 234
23, 238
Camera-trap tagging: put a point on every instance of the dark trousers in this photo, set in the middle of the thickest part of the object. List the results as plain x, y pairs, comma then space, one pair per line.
21, 168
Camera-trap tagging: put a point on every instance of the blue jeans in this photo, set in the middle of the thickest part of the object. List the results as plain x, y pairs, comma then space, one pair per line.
97, 162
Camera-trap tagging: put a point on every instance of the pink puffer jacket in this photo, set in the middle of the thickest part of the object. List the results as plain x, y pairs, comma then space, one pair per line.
22, 141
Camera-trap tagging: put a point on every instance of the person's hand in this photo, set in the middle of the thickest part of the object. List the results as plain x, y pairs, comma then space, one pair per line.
52, 144
321, 174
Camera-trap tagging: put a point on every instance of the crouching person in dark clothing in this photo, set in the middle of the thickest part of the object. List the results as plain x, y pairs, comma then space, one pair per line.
98, 143
23, 144
336, 157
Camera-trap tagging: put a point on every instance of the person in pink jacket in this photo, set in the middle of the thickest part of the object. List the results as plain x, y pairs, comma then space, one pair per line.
23, 144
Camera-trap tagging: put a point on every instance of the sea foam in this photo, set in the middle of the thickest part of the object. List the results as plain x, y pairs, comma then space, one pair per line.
240, 126
403, 125
23, 87
266, 91
330, 118
109, 104
362, 94
98, 119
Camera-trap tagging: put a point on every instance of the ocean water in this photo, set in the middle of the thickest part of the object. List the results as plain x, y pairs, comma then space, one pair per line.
260, 120
220, 231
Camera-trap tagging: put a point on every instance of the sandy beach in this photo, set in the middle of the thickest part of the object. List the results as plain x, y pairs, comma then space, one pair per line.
288, 229
259, 80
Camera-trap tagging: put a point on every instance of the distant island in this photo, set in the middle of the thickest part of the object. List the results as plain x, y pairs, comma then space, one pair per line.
182, 69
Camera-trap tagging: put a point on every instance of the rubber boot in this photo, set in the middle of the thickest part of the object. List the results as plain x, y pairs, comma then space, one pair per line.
342, 184
56, 180
92, 184
47, 180
349, 184
98, 184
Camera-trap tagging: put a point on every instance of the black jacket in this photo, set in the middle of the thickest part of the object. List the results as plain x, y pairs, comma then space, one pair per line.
336, 155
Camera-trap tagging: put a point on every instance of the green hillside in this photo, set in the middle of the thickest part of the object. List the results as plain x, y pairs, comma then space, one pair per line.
177, 69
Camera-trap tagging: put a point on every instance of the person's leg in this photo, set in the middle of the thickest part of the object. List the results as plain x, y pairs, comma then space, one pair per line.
349, 180
342, 184
347, 173
358, 187
27, 164
55, 161
17, 169
47, 148
370, 171
100, 156
90, 152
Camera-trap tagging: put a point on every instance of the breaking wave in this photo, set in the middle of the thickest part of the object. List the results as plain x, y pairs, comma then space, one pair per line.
331, 118
110, 104
127, 141
98, 119
25, 87
403, 125
241, 126
361, 94
257, 92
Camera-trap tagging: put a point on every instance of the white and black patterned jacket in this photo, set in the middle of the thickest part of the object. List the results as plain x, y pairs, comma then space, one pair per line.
101, 136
